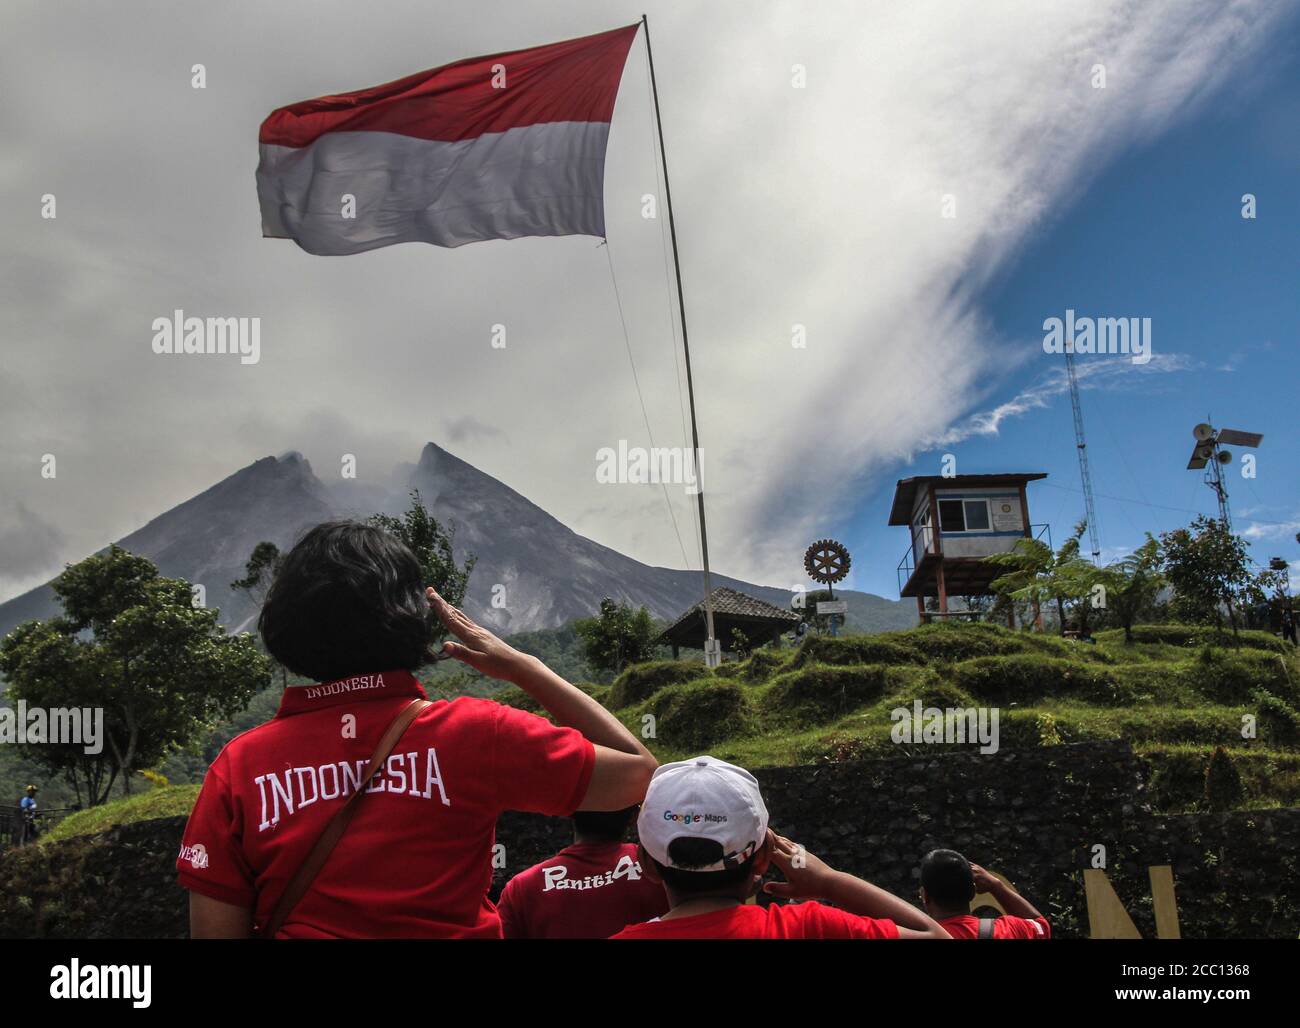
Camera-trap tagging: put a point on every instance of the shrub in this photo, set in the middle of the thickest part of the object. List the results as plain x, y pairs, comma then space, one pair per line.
932, 690
1177, 780
816, 695
698, 714
854, 649
1278, 719
1027, 677
641, 681
1232, 676
1223, 789
762, 665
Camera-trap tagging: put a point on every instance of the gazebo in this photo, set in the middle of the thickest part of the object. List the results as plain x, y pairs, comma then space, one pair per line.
759, 621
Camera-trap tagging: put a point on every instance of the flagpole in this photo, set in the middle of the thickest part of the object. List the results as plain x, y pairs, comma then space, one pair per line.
709, 655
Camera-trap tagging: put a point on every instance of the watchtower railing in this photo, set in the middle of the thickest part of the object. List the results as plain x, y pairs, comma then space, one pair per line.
907, 566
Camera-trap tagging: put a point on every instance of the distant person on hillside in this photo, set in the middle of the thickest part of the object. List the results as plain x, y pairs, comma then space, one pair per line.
588, 890
30, 814
948, 884
704, 834
1288, 625
263, 851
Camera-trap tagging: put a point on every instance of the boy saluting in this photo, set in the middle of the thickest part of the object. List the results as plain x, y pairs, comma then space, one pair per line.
704, 834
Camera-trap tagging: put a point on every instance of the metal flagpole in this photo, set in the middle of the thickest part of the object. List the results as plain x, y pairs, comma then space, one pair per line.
711, 652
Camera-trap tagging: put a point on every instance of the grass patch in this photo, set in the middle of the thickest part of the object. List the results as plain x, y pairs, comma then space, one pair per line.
851, 650
695, 715
165, 801
641, 681
1191, 636
819, 693
1028, 677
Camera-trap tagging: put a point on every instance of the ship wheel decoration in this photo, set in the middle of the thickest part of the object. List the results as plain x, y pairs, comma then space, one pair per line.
826, 561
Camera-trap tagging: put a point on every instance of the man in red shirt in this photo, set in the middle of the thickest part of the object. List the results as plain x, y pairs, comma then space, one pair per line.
704, 834
348, 609
586, 891
949, 882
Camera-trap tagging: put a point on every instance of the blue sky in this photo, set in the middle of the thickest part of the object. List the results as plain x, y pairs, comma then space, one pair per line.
1159, 234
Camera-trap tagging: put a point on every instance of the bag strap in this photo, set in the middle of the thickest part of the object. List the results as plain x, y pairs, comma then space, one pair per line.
986, 927
333, 831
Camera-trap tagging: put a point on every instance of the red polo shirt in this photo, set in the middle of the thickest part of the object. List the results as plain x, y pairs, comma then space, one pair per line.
417, 858
1008, 926
586, 891
750, 921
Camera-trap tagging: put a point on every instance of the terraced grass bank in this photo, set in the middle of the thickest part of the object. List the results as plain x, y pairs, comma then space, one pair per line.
1175, 694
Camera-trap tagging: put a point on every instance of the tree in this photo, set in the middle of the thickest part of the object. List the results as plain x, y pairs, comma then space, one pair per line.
1223, 788
132, 644
1036, 574
432, 546
1209, 569
259, 572
1133, 584
805, 605
618, 636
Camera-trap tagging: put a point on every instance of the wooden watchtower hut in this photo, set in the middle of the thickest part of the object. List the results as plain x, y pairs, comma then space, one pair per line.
955, 522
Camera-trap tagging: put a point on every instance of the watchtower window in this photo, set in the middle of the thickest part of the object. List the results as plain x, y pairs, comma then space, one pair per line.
963, 516
977, 515
951, 518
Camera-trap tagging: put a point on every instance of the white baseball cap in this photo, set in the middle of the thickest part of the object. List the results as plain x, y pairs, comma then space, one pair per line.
703, 798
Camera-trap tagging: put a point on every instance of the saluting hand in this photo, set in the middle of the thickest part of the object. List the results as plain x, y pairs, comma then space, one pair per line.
478, 647
806, 876
985, 881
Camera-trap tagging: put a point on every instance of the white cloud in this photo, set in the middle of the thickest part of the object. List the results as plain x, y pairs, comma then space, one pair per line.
1267, 530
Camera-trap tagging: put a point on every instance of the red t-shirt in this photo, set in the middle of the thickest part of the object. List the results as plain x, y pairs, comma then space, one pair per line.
750, 921
586, 891
1008, 926
416, 859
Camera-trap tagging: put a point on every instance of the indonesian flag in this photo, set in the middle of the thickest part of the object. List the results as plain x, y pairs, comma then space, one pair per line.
487, 148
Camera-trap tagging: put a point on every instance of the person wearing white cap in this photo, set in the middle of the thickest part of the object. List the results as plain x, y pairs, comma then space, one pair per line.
704, 834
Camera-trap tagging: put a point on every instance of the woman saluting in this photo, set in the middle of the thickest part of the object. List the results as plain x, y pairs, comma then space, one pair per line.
267, 849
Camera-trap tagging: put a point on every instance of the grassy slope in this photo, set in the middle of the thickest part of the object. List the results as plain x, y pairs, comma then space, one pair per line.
165, 801
1174, 694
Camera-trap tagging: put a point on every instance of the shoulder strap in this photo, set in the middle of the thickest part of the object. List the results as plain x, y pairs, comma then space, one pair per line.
328, 839
986, 927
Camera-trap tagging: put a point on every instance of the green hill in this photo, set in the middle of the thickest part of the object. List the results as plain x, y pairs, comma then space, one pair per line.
1174, 694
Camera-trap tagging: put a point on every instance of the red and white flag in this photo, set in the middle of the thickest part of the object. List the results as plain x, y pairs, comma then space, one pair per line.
487, 148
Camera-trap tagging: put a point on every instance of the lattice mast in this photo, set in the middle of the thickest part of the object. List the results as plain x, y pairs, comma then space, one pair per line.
1081, 443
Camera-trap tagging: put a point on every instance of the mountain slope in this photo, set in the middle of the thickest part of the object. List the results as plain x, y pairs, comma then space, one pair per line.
547, 574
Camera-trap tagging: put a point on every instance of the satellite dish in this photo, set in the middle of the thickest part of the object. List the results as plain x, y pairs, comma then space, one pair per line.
1225, 457
1203, 431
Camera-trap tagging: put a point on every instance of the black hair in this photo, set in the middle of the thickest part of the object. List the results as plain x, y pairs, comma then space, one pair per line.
349, 599
687, 852
947, 879
604, 825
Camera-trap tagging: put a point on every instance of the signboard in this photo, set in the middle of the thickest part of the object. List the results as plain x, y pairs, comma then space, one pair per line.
1006, 515
832, 607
